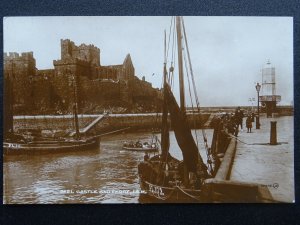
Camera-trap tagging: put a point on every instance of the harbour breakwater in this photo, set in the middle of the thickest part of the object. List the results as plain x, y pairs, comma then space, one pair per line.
107, 122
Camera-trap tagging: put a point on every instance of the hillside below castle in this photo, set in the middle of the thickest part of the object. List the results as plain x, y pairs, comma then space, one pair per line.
113, 88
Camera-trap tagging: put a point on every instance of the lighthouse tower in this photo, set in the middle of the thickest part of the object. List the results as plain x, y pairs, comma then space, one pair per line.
268, 97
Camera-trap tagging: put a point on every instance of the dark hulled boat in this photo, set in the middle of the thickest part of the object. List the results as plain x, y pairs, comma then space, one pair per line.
15, 143
49, 146
164, 178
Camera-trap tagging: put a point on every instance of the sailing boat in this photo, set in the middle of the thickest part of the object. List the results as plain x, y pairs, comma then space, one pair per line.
164, 177
18, 144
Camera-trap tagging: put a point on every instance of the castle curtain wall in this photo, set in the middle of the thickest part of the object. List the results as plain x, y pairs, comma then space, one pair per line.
52, 90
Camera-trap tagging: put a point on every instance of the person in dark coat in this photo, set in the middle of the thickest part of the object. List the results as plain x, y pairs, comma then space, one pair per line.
239, 115
253, 117
249, 124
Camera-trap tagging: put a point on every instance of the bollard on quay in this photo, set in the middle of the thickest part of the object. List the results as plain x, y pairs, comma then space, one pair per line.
257, 122
273, 135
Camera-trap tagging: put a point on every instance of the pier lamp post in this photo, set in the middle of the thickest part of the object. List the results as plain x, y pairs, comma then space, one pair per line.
258, 86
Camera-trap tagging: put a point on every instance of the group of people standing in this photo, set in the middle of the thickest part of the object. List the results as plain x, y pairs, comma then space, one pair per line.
239, 115
234, 122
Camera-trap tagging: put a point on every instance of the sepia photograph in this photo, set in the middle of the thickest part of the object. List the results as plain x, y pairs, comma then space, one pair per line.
148, 109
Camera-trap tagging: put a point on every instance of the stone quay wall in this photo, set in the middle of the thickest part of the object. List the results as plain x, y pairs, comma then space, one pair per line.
109, 123
61, 122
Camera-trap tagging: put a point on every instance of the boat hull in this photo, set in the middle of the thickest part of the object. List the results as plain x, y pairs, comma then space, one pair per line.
152, 193
140, 149
49, 147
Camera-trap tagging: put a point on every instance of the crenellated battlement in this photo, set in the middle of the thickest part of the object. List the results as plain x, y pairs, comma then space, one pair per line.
90, 46
88, 53
17, 56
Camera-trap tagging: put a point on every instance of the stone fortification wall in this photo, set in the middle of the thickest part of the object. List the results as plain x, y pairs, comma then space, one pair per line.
51, 91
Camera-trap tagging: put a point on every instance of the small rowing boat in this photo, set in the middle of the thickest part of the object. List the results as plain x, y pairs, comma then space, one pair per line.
142, 147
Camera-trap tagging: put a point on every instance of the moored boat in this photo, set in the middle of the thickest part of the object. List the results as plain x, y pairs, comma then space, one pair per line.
18, 143
49, 146
166, 179
146, 147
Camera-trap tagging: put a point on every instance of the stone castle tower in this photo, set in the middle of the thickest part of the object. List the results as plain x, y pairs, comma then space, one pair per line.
87, 53
21, 70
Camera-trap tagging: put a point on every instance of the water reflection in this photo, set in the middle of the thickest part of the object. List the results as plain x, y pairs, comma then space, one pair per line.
104, 175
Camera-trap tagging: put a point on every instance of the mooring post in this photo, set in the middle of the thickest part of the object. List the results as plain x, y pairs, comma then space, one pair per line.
257, 122
273, 135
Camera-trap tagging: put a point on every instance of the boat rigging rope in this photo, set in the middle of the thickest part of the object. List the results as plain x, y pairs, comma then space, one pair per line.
251, 143
191, 98
173, 61
190, 64
209, 160
157, 195
172, 18
192, 196
195, 93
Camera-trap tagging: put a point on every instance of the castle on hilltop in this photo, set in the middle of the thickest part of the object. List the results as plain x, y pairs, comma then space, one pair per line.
37, 91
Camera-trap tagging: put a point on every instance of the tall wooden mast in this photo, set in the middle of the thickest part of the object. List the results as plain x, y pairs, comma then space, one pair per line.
75, 106
165, 140
180, 66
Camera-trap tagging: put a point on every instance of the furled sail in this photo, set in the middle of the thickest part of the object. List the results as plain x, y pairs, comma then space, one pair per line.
183, 133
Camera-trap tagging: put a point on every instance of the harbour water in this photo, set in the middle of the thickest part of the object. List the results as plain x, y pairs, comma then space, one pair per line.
109, 174
104, 175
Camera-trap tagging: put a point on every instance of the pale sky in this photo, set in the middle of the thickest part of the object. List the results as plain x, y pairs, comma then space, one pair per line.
227, 53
